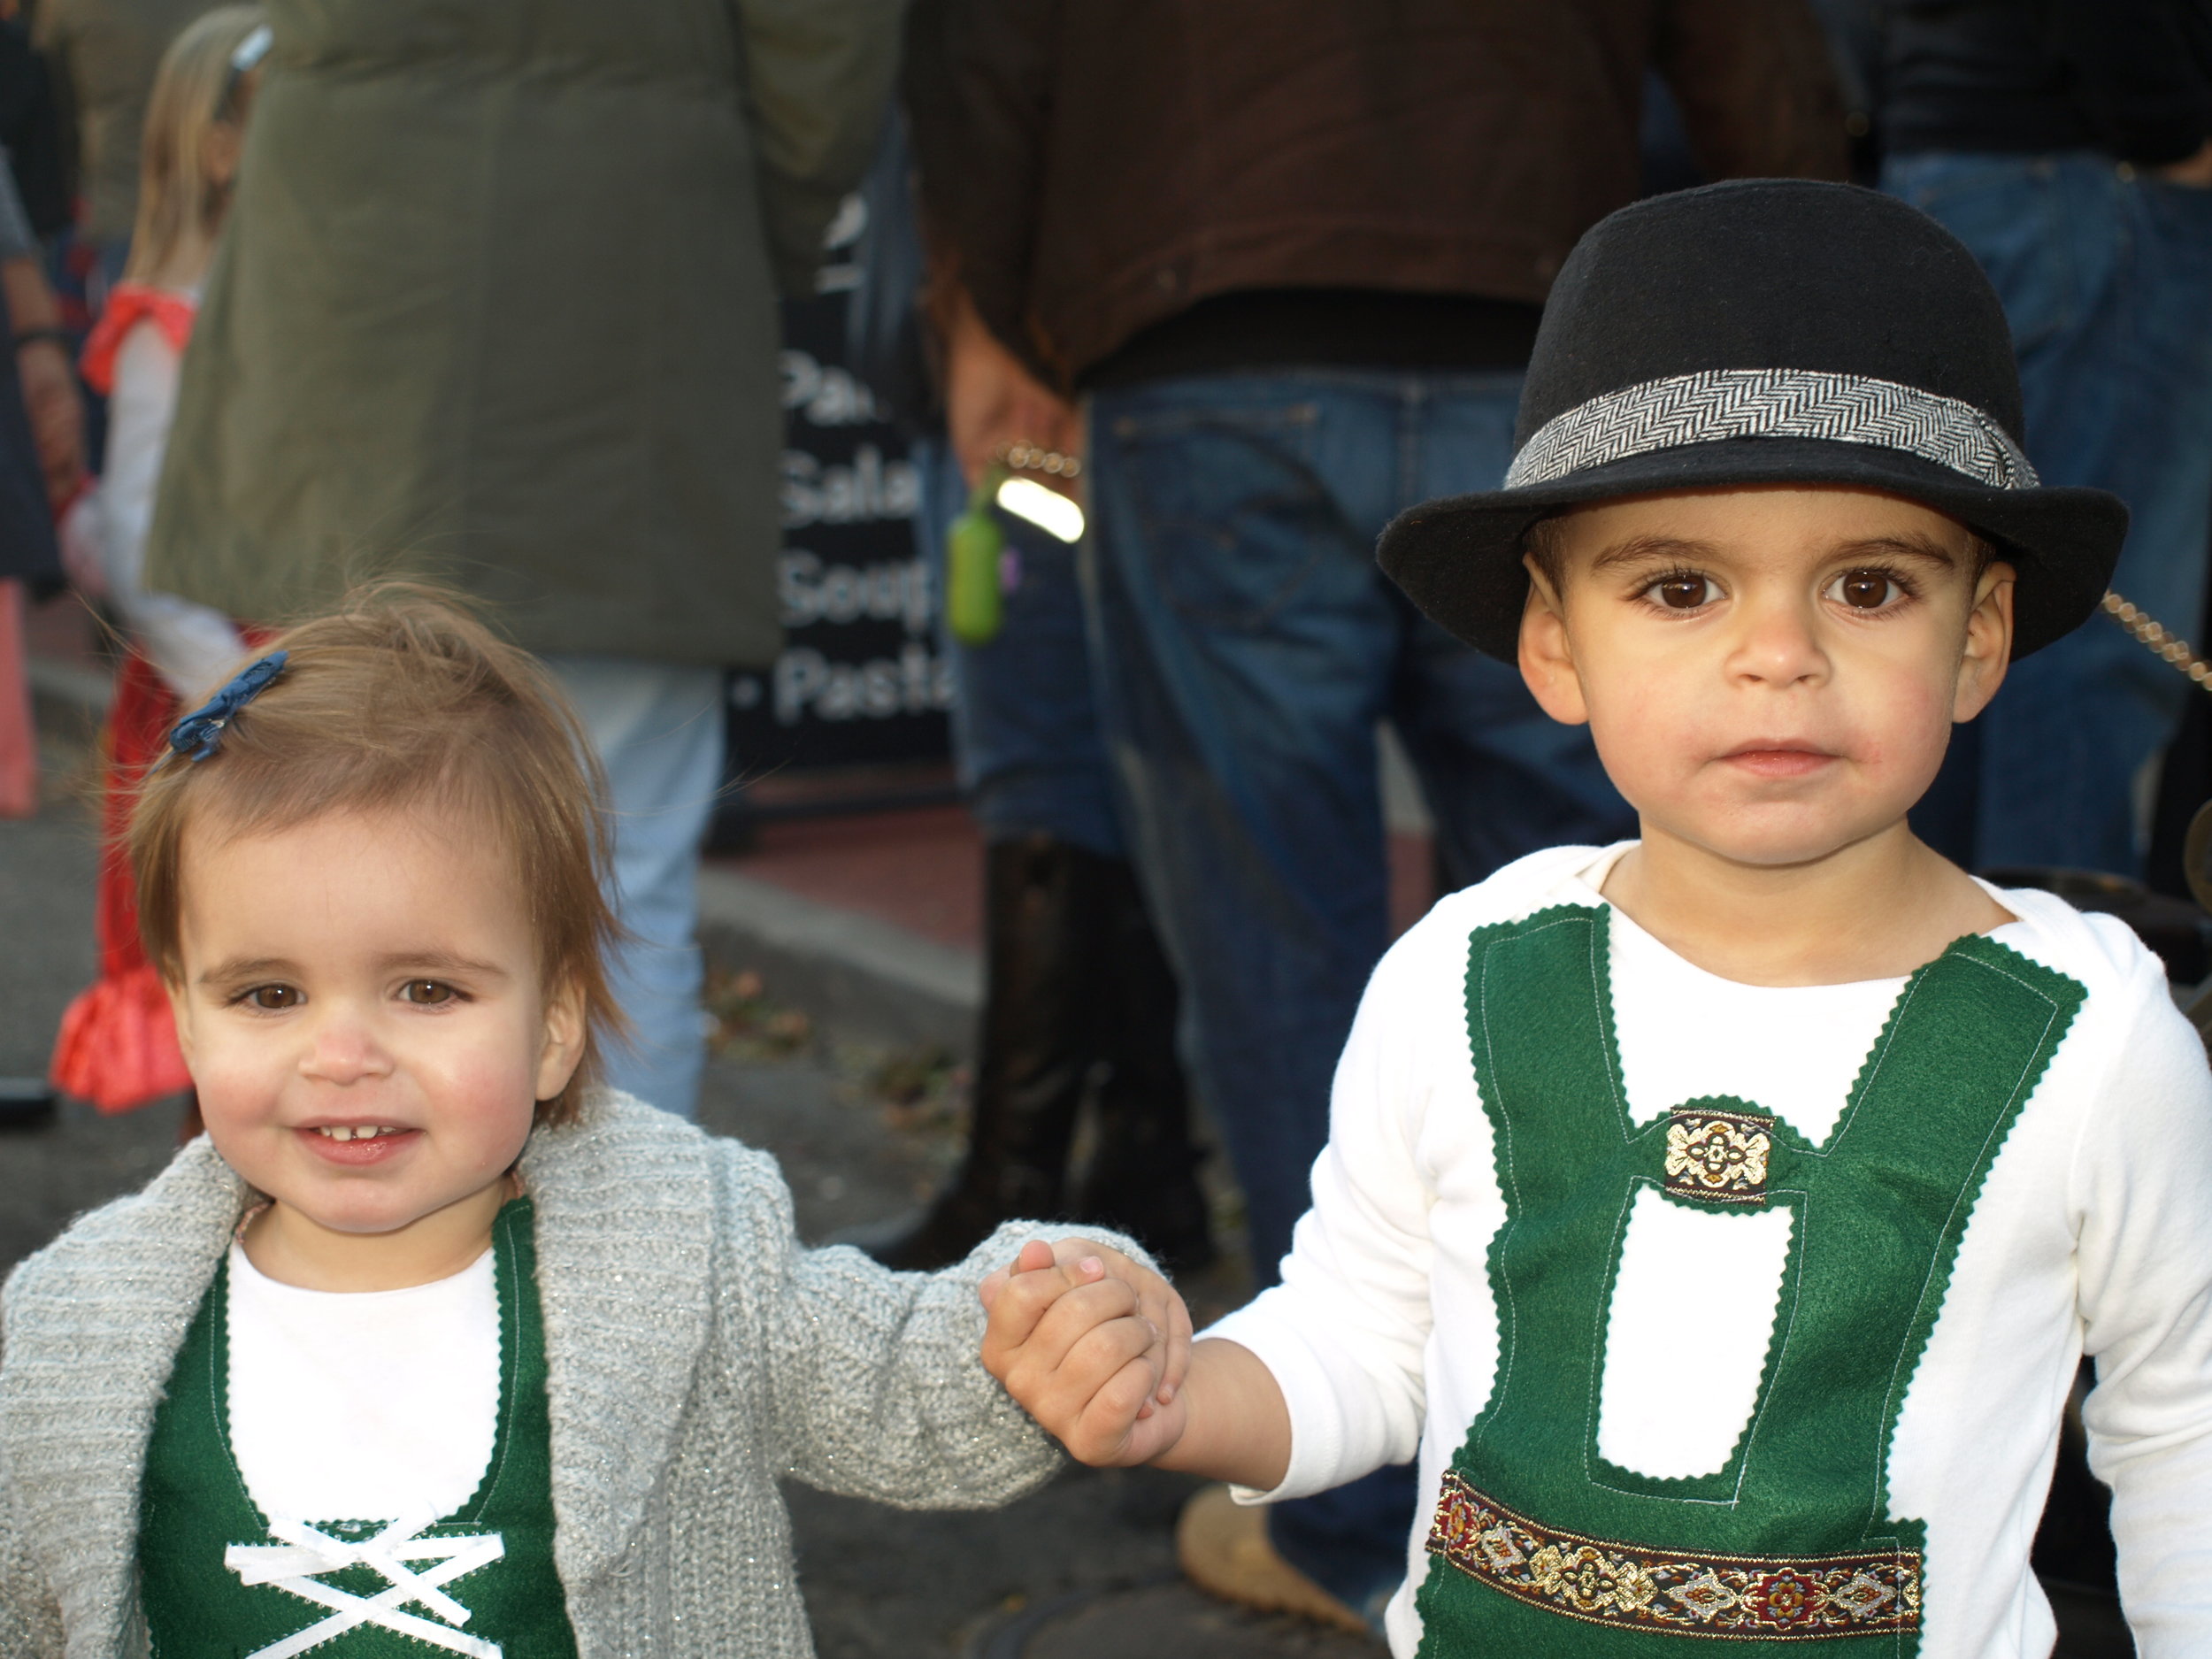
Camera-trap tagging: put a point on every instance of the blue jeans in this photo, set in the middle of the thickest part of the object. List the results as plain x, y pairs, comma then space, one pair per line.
1025, 719
657, 729
1246, 647
2107, 281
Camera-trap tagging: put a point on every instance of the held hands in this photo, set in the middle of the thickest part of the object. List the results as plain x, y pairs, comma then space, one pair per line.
1098, 1351
1092, 1345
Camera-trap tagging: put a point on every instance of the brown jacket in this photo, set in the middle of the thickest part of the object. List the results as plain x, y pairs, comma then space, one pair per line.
1098, 165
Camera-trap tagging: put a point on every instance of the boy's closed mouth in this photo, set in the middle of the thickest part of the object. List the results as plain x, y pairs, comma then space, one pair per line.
1777, 757
354, 1144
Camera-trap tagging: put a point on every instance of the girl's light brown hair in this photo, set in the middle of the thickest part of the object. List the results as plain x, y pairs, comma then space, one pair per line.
400, 698
180, 200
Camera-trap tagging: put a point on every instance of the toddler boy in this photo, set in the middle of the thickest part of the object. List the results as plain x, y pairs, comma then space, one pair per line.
1720, 1217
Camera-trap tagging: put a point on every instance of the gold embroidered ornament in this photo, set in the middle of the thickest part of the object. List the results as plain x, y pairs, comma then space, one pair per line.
1719, 1157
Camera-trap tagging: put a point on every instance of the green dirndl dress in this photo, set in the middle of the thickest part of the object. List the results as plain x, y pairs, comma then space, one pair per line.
221, 1580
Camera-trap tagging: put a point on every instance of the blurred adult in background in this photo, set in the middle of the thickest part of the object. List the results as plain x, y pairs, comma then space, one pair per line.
2068, 143
1079, 1003
29, 561
103, 54
1292, 255
498, 305
31, 126
45, 382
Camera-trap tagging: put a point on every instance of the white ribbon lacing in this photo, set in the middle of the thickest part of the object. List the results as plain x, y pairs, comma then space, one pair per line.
307, 1553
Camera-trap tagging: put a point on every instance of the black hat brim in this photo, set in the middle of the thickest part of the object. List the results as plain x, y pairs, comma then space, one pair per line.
1459, 558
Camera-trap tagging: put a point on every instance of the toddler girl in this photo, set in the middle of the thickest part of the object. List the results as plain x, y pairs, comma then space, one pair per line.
116, 1047
428, 1344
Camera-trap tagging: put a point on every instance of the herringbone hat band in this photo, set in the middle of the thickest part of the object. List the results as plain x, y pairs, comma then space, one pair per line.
1717, 403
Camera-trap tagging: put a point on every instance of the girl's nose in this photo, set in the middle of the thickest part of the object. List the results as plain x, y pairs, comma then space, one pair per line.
344, 1050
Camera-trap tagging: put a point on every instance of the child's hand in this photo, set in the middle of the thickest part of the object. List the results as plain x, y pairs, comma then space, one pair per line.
1157, 1302
1093, 1346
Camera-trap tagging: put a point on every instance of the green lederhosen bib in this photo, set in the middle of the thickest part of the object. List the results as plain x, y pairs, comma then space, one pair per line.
194, 1510
1541, 1546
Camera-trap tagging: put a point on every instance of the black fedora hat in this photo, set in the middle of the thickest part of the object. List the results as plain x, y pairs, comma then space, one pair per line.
1761, 332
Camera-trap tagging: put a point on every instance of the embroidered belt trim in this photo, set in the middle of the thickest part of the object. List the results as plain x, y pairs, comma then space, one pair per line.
1732, 1598
1720, 1156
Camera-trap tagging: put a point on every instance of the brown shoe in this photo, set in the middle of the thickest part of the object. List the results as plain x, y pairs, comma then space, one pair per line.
1225, 1550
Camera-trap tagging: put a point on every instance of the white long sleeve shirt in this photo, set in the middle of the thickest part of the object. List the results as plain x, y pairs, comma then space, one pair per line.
2092, 1232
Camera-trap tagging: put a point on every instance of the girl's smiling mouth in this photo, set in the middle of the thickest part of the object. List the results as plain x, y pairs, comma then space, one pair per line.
356, 1144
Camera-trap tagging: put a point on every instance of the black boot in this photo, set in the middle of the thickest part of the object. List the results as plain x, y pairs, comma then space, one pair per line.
1143, 1178
1038, 1046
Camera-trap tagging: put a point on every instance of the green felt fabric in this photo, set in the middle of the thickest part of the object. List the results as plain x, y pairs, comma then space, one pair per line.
1879, 1210
194, 1504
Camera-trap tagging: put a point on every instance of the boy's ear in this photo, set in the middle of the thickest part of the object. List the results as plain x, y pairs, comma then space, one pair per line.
1988, 649
564, 1049
1547, 662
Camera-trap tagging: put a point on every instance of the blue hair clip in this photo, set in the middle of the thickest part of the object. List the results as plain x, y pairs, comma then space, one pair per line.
199, 733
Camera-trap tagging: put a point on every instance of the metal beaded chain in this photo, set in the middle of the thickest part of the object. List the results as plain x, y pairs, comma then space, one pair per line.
2155, 637
1025, 456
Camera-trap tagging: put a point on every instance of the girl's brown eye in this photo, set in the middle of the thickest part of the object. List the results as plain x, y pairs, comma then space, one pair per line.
1865, 590
272, 997
1683, 593
430, 992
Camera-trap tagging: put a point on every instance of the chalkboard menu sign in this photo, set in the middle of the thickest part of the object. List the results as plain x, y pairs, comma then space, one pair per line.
862, 680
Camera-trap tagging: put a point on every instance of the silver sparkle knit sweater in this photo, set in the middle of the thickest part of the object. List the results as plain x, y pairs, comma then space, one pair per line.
695, 1354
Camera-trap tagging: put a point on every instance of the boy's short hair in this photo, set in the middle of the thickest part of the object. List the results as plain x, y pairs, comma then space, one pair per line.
399, 698
1546, 548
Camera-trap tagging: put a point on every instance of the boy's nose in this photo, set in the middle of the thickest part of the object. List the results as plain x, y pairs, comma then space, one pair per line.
1777, 642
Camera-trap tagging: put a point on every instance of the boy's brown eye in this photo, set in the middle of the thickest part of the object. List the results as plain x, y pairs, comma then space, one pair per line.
272, 997
1683, 593
1864, 590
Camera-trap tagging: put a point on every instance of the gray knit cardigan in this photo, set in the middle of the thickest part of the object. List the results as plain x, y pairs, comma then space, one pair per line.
694, 1355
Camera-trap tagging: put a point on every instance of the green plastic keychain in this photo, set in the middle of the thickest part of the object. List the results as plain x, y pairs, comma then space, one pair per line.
974, 546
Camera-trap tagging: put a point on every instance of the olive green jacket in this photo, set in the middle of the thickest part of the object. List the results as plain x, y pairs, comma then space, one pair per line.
496, 305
